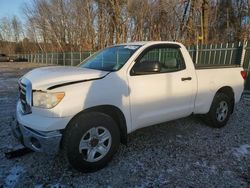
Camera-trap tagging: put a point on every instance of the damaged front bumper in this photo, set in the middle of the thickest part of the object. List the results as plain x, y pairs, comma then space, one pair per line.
40, 141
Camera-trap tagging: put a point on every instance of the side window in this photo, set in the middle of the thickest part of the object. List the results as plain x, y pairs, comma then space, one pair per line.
170, 58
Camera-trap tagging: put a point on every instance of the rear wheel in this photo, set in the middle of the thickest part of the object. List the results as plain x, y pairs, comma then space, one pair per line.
90, 141
220, 111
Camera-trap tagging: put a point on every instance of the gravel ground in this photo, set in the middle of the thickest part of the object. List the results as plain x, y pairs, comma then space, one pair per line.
182, 153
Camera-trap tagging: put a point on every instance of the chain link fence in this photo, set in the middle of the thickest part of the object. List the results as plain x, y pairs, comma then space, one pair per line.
225, 53
64, 58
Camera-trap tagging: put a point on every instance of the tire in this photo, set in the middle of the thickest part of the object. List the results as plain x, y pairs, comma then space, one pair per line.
220, 111
90, 141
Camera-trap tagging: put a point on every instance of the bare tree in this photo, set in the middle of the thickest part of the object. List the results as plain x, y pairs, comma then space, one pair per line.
68, 25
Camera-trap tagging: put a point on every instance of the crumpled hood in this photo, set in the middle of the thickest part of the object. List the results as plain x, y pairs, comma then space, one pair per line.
46, 77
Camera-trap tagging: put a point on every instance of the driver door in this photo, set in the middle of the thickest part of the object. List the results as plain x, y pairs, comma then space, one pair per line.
164, 95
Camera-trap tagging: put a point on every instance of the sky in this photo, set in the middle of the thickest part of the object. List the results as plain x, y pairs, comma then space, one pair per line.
9, 8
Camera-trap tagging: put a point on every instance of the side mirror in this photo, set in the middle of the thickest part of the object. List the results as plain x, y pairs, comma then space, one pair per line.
147, 67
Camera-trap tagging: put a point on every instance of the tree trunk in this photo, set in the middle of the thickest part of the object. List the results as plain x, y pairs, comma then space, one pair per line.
205, 11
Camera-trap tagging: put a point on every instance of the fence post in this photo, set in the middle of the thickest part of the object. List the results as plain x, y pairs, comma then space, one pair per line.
52, 58
209, 54
243, 53
63, 58
215, 52
71, 58
225, 58
231, 53
197, 53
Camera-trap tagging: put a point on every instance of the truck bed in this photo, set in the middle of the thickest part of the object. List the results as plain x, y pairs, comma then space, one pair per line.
211, 78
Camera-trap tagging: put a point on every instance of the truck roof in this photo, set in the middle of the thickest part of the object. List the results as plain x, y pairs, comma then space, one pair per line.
142, 43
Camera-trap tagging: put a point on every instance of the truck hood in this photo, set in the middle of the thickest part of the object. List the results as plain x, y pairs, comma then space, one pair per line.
47, 77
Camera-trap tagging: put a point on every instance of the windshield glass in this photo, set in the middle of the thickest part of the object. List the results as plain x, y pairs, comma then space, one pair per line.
110, 59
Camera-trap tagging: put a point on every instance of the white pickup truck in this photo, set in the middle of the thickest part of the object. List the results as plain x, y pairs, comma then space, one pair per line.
88, 110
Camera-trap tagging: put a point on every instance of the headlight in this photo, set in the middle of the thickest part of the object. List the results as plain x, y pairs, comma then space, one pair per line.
46, 100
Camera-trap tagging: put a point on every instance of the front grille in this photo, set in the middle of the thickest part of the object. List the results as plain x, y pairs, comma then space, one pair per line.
22, 94
25, 95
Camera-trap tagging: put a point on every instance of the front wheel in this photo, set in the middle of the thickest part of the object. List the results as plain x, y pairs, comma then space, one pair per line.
90, 141
220, 111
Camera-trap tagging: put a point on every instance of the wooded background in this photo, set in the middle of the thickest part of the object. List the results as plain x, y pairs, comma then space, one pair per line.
89, 25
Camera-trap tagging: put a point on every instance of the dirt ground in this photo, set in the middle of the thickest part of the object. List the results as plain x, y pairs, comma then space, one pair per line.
181, 153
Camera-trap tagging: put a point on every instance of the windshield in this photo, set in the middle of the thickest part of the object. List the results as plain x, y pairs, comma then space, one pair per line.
110, 59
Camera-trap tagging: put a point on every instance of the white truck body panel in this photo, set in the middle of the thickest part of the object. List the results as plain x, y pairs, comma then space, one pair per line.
46, 77
159, 97
211, 80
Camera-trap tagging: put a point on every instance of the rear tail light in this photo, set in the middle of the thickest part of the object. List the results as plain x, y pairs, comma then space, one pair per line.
244, 74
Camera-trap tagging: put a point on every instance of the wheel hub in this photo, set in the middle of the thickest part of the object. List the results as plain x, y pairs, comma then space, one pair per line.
94, 142
222, 111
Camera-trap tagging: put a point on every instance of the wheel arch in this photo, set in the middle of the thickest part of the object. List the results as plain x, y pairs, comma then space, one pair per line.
229, 92
112, 111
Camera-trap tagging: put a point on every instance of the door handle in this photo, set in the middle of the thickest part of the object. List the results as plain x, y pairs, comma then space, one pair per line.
187, 78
